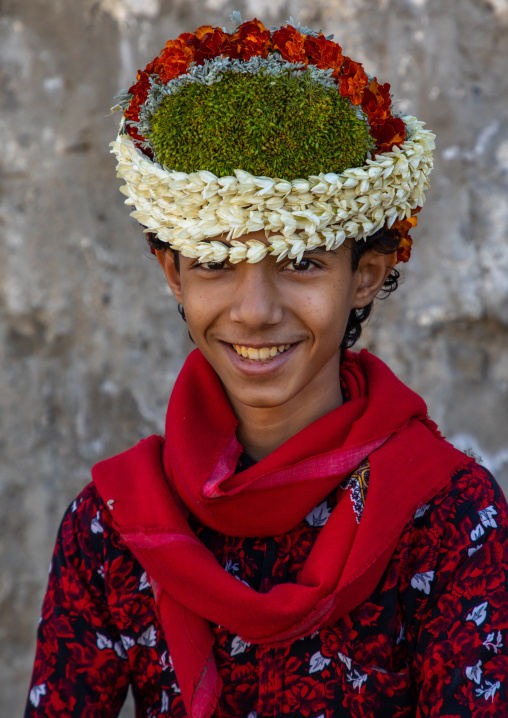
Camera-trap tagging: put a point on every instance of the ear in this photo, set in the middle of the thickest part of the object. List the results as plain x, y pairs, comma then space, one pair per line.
166, 259
372, 271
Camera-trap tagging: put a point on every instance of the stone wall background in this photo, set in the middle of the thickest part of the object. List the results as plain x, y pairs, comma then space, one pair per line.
90, 338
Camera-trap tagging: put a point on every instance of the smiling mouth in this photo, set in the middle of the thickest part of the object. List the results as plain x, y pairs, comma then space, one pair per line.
261, 354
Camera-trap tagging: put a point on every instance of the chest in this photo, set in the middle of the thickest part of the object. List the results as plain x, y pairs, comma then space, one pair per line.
355, 668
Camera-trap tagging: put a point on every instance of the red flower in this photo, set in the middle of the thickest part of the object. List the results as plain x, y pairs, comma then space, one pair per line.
209, 43
290, 43
250, 39
376, 102
335, 639
353, 80
324, 53
305, 697
60, 700
467, 645
403, 226
140, 92
387, 135
484, 570
367, 613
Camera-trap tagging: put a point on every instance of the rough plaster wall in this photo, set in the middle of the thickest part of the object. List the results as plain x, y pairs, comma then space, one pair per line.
90, 339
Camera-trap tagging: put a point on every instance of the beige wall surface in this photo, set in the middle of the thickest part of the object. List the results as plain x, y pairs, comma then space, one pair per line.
90, 338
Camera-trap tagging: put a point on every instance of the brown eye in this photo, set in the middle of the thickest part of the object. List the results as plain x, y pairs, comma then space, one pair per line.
212, 265
302, 265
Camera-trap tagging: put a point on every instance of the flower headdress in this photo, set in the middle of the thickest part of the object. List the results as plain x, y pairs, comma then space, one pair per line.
229, 133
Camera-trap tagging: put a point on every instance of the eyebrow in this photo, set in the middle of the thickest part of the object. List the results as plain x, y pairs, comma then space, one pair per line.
319, 250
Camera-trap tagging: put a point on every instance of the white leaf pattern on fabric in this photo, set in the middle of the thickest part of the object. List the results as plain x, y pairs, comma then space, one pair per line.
166, 662
120, 650
253, 714
489, 641
402, 634
241, 580
96, 526
421, 511
421, 581
317, 662
148, 638
477, 532
478, 614
345, 660
231, 567
143, 581
127, 642
175, 688
489, 692
238, 646
164, 702
320, 515
74, 506
474, 673
36, 693
103, 642
357, 679
487, 516
473, 549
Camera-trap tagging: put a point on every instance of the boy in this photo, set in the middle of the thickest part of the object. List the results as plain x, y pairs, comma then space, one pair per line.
303, 542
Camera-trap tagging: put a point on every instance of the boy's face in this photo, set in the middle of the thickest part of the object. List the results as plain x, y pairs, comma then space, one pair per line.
288, 319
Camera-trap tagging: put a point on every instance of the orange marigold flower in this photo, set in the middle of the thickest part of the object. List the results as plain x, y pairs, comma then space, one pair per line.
353, 80
404, 250
201, 31
388, 134
324, 53
290, 43
175, 59
403, 227
377, 102
250, 39
209, 44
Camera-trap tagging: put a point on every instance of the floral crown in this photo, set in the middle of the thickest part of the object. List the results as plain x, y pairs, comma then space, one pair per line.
230, 133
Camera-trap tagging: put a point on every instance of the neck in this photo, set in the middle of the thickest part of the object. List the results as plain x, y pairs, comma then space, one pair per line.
261, 430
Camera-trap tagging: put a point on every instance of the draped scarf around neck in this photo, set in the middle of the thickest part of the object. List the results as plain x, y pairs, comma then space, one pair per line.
155, 485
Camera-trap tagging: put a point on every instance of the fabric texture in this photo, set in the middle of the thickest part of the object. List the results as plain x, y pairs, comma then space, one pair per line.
153, 488
430, 641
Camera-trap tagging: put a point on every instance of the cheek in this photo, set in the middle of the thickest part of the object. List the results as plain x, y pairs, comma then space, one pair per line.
201, 311
326, 312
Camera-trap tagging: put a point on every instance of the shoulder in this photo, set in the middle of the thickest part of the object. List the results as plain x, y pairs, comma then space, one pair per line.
86, 526
456, 537
472, 499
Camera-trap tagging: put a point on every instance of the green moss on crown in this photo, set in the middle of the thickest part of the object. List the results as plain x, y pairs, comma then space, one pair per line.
285, 126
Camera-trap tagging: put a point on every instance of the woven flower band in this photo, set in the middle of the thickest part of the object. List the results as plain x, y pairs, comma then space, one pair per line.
188, 206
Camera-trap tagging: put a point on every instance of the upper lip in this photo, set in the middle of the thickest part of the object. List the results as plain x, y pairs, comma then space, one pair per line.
260, 345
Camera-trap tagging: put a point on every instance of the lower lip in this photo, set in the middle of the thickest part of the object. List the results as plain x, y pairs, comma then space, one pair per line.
253, 367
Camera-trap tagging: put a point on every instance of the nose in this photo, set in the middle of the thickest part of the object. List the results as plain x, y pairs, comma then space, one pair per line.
257, 302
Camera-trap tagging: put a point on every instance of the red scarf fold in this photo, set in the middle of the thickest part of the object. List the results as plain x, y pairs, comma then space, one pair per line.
155, 484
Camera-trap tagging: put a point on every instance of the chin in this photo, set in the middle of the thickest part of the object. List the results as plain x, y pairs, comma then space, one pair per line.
262, 399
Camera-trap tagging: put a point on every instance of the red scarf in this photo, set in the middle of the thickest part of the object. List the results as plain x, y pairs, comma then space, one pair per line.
155, 484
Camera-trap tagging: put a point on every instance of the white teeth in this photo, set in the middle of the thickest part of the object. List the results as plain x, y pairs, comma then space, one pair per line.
260, 354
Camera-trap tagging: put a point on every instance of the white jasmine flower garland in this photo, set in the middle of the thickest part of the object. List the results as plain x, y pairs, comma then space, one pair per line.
188, 210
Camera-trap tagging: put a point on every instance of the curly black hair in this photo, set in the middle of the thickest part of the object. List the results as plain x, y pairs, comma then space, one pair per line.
385, 241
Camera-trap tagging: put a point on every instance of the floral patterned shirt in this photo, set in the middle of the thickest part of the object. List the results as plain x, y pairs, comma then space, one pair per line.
430, 641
